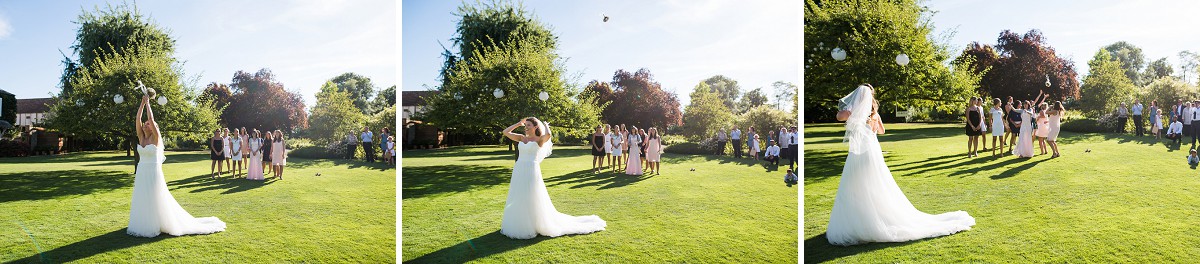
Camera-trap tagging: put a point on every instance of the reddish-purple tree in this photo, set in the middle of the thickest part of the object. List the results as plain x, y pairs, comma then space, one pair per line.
637, 100
260, 102
1018, 66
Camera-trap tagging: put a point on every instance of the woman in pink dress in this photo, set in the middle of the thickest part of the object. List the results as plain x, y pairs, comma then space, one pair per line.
254, 170
1043, 127
278, 154
634, 164
653, 148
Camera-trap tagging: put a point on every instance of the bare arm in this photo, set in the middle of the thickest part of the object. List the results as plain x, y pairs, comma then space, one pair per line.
513, 136
843, 115
138, 124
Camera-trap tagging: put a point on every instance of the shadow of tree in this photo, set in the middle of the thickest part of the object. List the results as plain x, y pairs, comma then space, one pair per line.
817, 249
585, 178
476, 248
432, 180
1013, 171
31, 186
302, 163
204, 183
110, 241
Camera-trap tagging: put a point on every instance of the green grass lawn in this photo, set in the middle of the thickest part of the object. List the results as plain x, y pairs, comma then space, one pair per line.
1131, 199
76, 207
728, 210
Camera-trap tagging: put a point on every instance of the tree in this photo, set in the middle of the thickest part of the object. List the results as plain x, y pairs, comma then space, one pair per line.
384, 118
384, 99
1105, 86
359, 87
706, 114
221, 96
638, 100
752, 99
1157, 69
1166, 91
873, 34
727, 89
1018, 66
260, 102
503, 48
117, 47
334, 115
602, 94
1189, 62
785, 93
1131, 60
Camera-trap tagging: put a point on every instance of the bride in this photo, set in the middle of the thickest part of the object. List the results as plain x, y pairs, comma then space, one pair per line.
528, 211
153, 209
869, 206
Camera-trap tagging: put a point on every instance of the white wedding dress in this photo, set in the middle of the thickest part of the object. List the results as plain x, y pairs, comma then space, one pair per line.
869, 206
1024, 147
153, 210
528, 210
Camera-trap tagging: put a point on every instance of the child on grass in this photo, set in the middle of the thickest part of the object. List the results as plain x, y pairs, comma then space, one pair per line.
790, 178
1193, 159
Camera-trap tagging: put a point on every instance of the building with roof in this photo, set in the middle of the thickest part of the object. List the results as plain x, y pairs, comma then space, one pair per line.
33, 111
413, 102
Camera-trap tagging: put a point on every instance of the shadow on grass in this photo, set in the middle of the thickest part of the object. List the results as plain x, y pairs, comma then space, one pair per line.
457, 151
110, 241
1013, 171
128, 161
432, 180
818, 250
204, 183
302, 163
585, 178
479, 247
32, 186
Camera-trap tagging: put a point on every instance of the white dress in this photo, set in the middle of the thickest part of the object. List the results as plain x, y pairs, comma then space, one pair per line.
997, 122
153, 210
528, 211
1024, 147
753, 143
236, 148
617, 140
608, 143
869, 206
225, 145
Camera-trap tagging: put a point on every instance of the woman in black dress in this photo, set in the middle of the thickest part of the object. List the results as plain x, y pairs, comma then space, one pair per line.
267, 152
216, 152
598, 149
1014, 122
973, 129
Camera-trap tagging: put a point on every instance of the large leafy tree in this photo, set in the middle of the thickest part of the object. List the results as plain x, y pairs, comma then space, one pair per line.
384, 99
334, 115
1131, 59
359, 88
221, 96
504, 48
1166, 91
260, 102
873, 34
706, 114
765, 118
785, 93
1157, 69
116, 48
726, 88
1189, 63
753, 98
1019, 66
638, 100
1105, 86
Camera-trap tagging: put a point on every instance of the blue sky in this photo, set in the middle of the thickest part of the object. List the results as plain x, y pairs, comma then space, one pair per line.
304, 43
680, 42
1077, 29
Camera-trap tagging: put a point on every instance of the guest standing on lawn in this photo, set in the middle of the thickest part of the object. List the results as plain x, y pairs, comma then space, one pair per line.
1156, 123
392, 150
351, 145
245, 136
998, 127
216, 154
236, 149
255, 169
608, 149
617, 141
783, 141
383, 135
634, 166
1043, 128
597, 149
1189, 113
653, 150
279, 150
367, 145
1136, 112
1014, 118
1122, 117
794, 149
752, 141
974, 117
736, 136
267, 151
1055, 115
721, 139
642, 135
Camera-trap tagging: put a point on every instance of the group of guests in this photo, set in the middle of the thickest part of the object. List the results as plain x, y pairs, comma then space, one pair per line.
1021, 122
246, 149
782, 145
635, 151
1182, 116
366, 139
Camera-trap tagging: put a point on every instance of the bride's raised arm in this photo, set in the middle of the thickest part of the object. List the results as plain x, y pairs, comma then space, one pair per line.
138, 123
545, 136
513, 136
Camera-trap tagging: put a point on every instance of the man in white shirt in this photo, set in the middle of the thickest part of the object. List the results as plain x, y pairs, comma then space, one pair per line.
1175, 131
1195, 115
368, 148
736, 135
721, 139
1136, 110
1186, 119
772, 154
